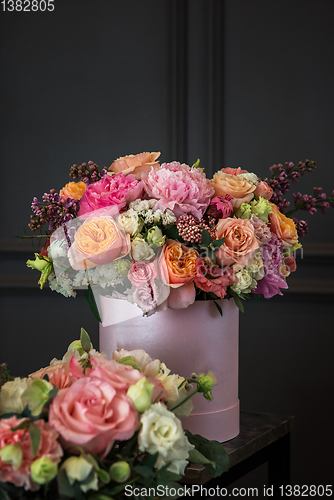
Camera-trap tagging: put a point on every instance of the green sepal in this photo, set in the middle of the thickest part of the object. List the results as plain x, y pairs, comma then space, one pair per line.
128, 360
85, 340
103, 475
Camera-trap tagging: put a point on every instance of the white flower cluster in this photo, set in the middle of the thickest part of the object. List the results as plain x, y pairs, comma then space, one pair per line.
61, 283
145, 208
104, 275
250, 177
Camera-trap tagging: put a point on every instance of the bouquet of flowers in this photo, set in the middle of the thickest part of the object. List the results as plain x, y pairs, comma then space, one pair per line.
163, 236
91, 428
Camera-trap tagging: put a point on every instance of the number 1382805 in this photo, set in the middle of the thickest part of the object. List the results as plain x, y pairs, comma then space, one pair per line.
27, 5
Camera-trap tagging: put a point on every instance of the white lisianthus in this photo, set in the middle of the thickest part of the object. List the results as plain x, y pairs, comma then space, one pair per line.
130, 222
245, 282
171, 383
161, 432
155, 236
11, 400
250, 177
141, 250
256, 268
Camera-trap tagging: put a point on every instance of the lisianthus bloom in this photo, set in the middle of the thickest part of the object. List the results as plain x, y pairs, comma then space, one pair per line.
92, 413
49, 447
110, 190
220, 207
241, 190
240, 242
161, 432
264, 190
73, 190
179, 188
135, 164
213, 278
98, 240
283, 227
11, 395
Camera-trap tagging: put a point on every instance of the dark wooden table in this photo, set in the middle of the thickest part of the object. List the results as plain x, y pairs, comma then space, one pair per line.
263, 438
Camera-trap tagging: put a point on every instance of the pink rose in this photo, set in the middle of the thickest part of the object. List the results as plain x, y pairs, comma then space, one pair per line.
240, 189
141, 272
135, 164
146, 296
240, 242
110, 190
263, 190
220, 207
48, 447
179, 188
92, 414
213, 278
118, 375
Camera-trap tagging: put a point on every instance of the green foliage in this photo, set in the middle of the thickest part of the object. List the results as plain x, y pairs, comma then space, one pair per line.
92, 304
85, 340
216, 459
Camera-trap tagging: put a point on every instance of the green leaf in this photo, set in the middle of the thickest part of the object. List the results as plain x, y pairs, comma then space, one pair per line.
65, 489
150, 460
91, 301
143, 470
22, 425
128, 360
196, 165
219, 308
238, 302
196, 457
213, 452
53, 392
35, 437
218, 243
85, 340
103, 475
206, 238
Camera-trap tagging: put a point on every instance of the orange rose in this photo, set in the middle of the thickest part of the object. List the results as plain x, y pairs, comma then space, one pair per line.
240, 242
98, 240
283, 227
264, 190
177, 264
241, 190
135, 164
73, 190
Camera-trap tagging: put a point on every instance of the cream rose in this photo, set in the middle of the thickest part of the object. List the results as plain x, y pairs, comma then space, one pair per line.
141, 250
236, 186
130, 222
161, 432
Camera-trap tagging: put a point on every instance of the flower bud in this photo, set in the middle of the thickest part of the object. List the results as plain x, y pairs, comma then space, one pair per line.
154, 235
120, 471
37, 395
206, 383
78, 469
141, 394
43, 470
11, 454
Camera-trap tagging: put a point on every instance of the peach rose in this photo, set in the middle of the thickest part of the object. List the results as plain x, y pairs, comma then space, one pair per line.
135, 164
234, 171
73, 190
240, 242
241, 190
98, 240
59, 375
177, 264
264, 190
283, 227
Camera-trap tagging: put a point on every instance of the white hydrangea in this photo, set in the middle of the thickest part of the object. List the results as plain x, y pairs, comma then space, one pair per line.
250, 177
61, 283
105, 275
57, 249
245, 282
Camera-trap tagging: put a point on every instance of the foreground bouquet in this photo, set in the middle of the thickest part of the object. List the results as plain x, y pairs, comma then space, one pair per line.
87, 424
163, 236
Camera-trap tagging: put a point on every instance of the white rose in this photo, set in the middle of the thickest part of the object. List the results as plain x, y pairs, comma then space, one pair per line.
130, 222
11, 395
141, 250
161, 432
245, 282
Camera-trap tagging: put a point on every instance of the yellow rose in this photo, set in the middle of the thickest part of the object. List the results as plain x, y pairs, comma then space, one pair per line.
283, 227
73, 190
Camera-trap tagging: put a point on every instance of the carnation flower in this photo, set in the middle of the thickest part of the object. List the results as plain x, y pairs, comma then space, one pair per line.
261, 229
213, 279
179, 188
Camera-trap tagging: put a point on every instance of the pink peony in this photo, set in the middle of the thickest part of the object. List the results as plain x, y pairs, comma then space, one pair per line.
141, 272
48, 447
110, 190
92, 414
182, 189
213, 279
220, 207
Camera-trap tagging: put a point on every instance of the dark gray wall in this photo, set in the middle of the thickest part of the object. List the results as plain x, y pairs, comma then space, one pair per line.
234, 83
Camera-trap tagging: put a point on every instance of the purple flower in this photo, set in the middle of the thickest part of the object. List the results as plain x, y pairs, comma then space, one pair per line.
270, 285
